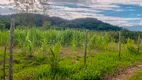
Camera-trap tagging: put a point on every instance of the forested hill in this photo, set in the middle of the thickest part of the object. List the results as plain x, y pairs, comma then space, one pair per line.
38, 20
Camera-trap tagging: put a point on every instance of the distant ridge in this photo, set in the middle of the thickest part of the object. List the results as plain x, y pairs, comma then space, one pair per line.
38, 20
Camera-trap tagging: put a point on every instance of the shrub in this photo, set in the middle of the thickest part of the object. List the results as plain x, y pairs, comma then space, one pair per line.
2, 27
130, 46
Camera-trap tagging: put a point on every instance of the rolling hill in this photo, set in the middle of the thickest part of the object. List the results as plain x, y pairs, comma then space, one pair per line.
38, 20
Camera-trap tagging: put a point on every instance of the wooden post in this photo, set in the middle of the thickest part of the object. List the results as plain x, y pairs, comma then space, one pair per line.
139, 43
4, 58
85, 48
4, 74
11, 49
119, 46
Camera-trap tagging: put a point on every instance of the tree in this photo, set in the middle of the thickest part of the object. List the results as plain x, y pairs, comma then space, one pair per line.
46, 25
2, 26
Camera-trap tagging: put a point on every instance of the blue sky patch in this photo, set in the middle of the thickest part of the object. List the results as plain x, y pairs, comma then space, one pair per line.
127, 11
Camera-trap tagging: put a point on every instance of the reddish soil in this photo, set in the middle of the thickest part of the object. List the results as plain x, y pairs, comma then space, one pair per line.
125, 74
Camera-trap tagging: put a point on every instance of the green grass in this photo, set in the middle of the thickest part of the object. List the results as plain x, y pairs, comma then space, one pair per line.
98, 66
33, 58
137, 76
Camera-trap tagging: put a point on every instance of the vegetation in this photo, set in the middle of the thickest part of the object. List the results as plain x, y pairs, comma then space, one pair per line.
2, 26
55, 58
38, 20
58, 54
137, 76
98, 66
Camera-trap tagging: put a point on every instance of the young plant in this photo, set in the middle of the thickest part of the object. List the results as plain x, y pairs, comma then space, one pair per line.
105, 41
55, 57
44, 45
73, 45
92, 41
29, 45
130, 46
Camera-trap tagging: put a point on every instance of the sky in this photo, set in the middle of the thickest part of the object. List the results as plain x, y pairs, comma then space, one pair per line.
123, 13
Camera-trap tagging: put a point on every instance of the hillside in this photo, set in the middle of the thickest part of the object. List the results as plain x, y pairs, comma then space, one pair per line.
38, 20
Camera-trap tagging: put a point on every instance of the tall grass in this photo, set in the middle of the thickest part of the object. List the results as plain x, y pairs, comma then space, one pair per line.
4, 37
30, 39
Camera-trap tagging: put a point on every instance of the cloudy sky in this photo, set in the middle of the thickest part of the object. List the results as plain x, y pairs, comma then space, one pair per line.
124, 13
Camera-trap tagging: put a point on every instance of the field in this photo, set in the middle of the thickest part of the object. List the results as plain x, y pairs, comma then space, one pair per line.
59, 54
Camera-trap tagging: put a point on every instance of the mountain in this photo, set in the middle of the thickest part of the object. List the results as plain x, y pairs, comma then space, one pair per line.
38, 20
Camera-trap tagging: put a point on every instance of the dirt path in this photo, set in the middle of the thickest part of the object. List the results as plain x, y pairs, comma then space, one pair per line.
125, 74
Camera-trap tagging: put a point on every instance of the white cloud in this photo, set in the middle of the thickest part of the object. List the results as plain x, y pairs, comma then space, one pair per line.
131, 10
5, 1
72, 13
139, 14
135, 2
1, 7
68, 14
95, 7
118, 10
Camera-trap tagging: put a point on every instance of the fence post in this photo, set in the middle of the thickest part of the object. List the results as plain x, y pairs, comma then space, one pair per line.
11, 49
4, 57
119, 46
85, 48
139, 43
4, 61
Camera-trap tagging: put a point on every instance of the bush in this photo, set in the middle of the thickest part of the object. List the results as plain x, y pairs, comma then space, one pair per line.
2, 27
130, 46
